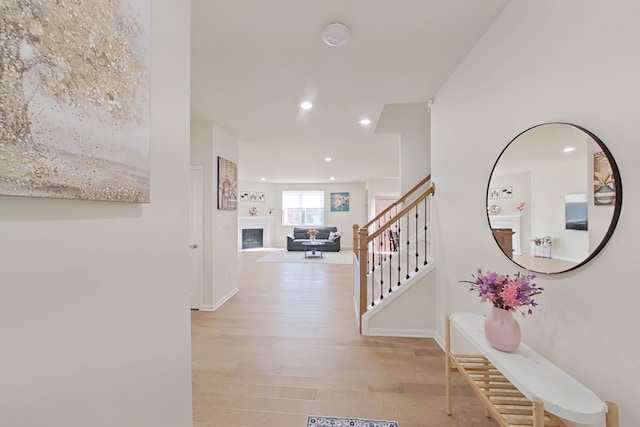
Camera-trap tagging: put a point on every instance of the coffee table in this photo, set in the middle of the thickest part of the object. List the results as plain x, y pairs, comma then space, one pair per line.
314, 250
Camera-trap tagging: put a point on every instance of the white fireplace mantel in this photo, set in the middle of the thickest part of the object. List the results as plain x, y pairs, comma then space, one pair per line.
251, 222
512, 222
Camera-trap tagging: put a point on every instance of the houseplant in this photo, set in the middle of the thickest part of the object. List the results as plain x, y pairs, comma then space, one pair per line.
313, 233
506, 294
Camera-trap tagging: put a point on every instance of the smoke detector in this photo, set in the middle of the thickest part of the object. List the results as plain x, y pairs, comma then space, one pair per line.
336, 34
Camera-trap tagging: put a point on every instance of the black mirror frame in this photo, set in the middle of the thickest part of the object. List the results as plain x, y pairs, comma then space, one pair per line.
617, 206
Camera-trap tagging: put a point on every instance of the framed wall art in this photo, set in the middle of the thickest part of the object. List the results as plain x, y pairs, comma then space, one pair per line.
74, 116
604, 185
494, 193
339, 202
507, 192
227, 185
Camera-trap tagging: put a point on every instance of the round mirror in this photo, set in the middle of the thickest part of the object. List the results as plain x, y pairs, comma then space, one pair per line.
554, 198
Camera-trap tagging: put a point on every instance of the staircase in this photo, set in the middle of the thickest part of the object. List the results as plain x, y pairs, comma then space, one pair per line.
393, 271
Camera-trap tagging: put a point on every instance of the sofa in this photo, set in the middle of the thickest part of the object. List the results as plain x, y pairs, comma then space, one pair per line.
329, 235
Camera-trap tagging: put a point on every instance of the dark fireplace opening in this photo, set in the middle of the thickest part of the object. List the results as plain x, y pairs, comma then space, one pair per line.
251, 238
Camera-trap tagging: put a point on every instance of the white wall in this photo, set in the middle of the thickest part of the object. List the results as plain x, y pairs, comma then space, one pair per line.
413, 122
550, 60
94, 312
381, 188
220, 277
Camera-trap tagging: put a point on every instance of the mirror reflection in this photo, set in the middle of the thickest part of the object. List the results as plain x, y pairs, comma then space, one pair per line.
553, 198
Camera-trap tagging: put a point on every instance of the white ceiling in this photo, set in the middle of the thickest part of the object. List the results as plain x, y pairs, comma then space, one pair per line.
255, 61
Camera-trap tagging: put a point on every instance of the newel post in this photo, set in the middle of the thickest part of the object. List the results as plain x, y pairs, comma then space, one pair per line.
356, 245
363, 235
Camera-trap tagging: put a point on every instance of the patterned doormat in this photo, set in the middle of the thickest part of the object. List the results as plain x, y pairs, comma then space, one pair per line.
347, 422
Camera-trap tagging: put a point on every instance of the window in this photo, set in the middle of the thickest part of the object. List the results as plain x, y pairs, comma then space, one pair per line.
303, 208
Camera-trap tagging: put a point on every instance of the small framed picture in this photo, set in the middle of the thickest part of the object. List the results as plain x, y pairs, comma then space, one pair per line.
261, 197
507, 192
253, 196
339, 202
244, 196
494, 193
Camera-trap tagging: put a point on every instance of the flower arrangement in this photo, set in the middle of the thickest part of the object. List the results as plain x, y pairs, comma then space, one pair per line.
508, 293
543, 241
271, 210
521, 206
313, 232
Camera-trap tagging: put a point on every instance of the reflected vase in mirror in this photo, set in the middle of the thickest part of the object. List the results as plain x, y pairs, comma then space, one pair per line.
554, 182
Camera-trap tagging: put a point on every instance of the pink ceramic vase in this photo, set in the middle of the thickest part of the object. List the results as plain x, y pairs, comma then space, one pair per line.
502, 330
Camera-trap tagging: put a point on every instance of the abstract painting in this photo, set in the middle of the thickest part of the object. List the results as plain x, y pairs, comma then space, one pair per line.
227, 185
74, 99
339, 202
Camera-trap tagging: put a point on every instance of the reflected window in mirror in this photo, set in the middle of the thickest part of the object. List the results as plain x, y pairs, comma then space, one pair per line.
557, 190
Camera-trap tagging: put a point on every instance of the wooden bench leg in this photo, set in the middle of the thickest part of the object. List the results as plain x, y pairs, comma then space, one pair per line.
447, 364
538, 413
613, 417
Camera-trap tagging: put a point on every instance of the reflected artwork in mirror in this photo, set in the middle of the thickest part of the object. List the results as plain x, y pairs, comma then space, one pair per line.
560, 196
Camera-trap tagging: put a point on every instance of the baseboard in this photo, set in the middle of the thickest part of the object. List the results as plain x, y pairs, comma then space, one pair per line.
404, 333
209, 307
441, 342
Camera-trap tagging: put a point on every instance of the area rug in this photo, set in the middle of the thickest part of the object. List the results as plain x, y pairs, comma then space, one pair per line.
345, 257
347, 422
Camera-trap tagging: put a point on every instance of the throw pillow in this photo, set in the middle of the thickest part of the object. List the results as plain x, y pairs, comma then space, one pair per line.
333, 235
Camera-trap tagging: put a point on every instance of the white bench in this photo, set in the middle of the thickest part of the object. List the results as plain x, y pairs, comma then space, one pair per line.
521, 388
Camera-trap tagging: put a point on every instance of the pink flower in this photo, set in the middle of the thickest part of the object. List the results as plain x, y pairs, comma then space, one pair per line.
521, 206
509, 294
502, 291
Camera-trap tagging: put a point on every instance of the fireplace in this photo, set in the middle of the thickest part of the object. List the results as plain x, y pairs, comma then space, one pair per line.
252, 238
254, 224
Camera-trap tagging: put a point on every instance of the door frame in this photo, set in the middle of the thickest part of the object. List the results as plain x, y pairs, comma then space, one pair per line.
196, 204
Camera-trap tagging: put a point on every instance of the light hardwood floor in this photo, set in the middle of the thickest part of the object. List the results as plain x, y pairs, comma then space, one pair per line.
287, 346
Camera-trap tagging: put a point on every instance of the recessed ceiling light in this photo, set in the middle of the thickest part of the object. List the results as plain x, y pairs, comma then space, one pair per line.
306, 105
333, 178
327, 159
263, 179
568, 149
364, 122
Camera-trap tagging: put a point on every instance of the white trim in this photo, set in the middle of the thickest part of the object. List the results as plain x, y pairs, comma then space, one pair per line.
438, 338
405, 333
209, 307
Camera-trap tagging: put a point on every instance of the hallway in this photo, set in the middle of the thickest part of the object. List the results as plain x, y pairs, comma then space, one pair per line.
287, 346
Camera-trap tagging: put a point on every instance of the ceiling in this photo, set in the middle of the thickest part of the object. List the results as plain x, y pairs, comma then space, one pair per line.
255, 61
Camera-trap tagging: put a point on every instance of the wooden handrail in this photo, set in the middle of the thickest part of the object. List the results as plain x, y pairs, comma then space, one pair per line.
431, 190
400, 200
